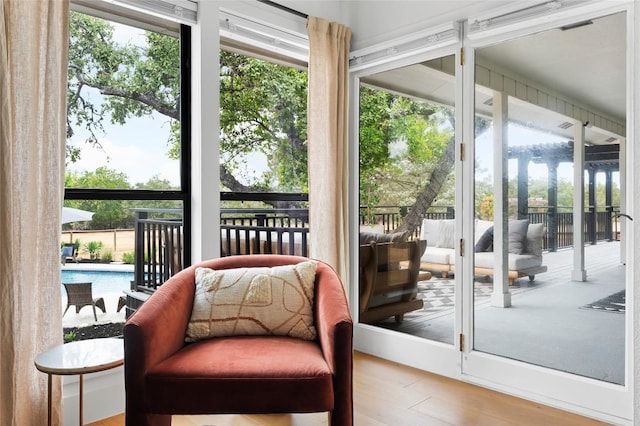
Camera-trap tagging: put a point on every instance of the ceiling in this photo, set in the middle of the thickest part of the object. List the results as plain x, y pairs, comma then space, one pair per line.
586, 65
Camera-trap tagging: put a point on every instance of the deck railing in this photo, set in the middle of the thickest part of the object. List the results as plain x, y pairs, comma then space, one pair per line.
159, 233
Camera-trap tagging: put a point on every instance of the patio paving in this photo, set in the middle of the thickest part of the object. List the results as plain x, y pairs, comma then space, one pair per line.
547, 323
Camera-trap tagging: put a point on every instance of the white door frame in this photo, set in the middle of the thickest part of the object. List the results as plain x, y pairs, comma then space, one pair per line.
440, 358
590, 397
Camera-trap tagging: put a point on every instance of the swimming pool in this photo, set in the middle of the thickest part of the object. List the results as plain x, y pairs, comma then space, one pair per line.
103, 281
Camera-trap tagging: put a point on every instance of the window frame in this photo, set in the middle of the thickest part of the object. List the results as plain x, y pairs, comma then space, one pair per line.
184, 193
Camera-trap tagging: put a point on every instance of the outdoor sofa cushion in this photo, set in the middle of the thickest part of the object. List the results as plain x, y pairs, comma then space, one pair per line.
438, 255
516, 262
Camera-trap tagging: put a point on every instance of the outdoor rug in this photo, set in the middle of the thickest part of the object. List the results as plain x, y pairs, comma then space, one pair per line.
438, 294
614, 303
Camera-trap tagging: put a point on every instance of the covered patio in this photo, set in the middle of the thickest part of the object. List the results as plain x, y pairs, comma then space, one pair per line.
549, 323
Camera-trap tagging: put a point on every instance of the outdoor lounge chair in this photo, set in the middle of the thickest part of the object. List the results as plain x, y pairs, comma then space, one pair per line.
80, 295
68, 251
389, 274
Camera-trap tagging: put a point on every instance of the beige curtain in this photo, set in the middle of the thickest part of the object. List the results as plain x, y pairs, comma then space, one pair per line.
33, 75
328, 98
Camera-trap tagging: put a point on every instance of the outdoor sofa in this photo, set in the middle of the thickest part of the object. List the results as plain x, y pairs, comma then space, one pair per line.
524, 246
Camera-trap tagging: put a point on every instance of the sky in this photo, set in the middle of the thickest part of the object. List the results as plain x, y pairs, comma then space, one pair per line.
138, 149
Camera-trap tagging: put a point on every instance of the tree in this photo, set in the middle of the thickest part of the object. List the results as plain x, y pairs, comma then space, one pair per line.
108, 214
263, 105
407, 153
263, 108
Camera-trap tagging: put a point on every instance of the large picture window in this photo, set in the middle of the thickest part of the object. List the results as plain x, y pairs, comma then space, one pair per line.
126, 164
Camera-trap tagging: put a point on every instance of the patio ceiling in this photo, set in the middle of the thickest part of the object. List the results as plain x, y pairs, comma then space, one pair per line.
585, 65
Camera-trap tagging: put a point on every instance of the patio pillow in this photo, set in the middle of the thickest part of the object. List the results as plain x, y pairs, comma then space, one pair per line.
254, 302
535, 233
447, 233
485, 242
430, 231
517, 235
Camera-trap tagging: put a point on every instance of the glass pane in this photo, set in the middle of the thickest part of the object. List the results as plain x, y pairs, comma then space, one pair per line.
98, 246
123, 111
407, 197
539, 297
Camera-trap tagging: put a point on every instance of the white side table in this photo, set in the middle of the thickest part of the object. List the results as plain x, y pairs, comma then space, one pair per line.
81, 357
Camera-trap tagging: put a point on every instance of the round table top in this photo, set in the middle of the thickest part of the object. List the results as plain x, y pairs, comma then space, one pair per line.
83, 356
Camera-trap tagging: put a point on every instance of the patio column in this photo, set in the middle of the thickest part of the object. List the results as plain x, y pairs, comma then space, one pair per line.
579, 273
552, 208
501, 296
608, 201
591, 222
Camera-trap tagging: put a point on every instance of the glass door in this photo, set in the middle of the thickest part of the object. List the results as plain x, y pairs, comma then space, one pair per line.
408, 226
549, 275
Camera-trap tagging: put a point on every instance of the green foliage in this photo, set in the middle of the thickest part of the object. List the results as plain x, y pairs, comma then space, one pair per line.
69, 337
137, 80
401, 141
128, 258
108, 214
93, 248
113, 214
263, 106
106, 255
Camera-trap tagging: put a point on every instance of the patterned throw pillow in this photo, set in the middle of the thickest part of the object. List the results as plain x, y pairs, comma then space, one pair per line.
254, 301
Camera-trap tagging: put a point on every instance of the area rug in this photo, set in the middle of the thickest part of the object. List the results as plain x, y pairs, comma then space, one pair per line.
438, 294
614, 303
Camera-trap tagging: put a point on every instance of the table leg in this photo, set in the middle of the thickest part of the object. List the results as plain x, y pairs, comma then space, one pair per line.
80, 400
49, 399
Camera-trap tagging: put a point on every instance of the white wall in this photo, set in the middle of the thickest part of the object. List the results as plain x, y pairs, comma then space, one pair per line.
104, 396
371, 22
375, 22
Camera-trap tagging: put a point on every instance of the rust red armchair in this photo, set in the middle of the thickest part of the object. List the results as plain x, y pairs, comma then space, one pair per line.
239, 374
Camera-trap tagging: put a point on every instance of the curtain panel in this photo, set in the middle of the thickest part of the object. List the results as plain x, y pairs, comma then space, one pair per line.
328, 98
34, 38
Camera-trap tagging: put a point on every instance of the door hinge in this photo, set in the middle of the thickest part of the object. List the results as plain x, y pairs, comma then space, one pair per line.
462, 149
461, 247
461, 56
461, 342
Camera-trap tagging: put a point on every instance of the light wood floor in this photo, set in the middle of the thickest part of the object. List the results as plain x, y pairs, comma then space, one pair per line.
389, 394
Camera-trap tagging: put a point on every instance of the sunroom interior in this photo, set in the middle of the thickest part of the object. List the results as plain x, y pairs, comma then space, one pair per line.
504, 41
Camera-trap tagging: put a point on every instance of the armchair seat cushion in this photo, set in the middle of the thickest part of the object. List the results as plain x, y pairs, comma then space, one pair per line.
216, 371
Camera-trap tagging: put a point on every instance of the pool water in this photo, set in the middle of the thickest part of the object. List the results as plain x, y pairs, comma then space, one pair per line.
103, 281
